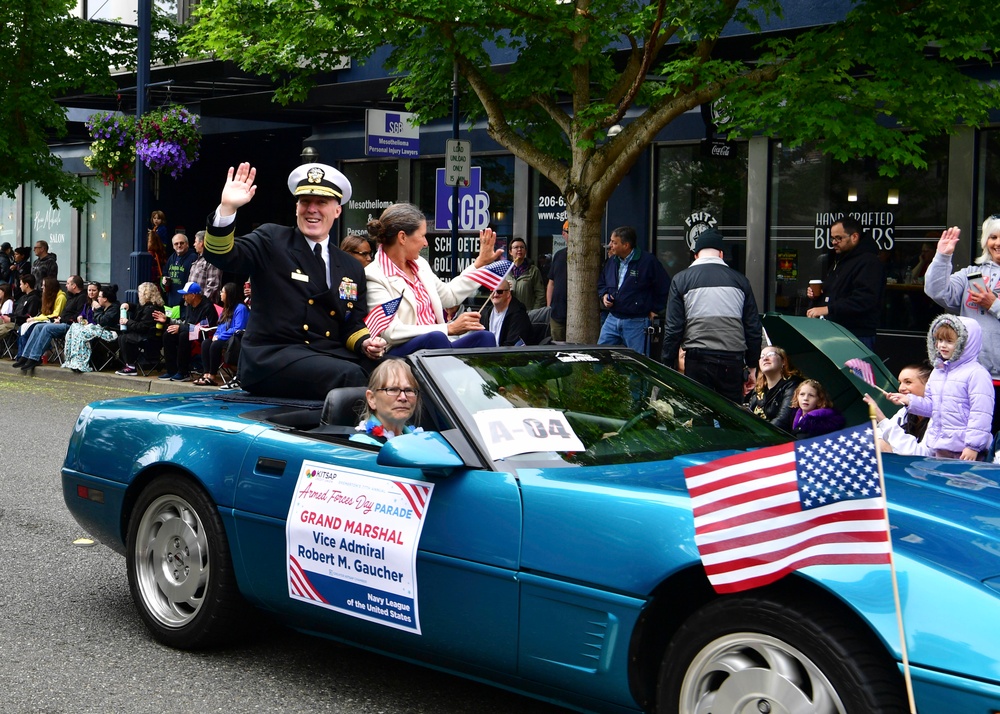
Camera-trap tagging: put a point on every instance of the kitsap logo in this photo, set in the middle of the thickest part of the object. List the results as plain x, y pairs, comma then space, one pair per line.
393, 124
321, 474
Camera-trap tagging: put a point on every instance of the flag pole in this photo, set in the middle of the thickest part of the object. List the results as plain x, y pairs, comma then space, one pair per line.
892, 566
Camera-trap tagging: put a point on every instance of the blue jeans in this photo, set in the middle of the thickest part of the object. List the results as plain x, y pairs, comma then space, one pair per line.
628, 331
40, 337
438, 340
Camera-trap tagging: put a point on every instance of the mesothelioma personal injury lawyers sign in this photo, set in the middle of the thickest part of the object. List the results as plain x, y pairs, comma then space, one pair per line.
352, 543
394, 134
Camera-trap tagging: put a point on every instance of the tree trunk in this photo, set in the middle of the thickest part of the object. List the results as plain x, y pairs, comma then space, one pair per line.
584, 259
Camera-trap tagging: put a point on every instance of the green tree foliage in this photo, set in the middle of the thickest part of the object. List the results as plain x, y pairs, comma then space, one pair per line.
47, 53
552, 76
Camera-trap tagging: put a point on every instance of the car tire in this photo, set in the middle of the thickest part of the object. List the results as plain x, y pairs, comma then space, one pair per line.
760, 653
180, 573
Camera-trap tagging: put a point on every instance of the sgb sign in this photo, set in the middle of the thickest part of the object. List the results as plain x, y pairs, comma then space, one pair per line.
473, 203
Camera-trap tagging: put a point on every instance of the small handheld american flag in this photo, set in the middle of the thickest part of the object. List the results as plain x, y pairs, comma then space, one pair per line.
490, 276
862, 369
381, 315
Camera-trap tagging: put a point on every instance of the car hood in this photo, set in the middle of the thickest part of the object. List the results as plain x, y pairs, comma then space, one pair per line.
946, 511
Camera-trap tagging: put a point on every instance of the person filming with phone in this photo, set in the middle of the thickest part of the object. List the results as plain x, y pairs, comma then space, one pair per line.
972, 292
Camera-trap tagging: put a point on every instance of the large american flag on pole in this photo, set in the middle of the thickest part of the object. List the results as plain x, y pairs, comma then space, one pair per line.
490, 276
760, 515
381, 315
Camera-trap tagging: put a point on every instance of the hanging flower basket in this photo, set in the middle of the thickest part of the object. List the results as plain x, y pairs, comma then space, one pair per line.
167, 140
113, 147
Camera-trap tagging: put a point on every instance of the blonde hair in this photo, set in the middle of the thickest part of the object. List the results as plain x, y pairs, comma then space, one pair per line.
991, 227
149, 294
389, 370
822, 398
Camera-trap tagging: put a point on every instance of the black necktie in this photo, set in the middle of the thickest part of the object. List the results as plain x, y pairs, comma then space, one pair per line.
318, 252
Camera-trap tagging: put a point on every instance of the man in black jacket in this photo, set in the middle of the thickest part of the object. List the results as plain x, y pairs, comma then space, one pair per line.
45, 264
854, 284
306, 333
42, 334
507, 318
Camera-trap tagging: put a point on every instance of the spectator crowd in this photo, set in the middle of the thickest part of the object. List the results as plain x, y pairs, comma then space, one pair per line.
189, 324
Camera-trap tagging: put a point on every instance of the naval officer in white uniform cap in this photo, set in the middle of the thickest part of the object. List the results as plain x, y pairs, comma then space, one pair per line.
306, 334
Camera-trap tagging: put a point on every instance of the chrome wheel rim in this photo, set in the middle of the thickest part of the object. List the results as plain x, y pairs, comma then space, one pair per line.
752, 673
171, 561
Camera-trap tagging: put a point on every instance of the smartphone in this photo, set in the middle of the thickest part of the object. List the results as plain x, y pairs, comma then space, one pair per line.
972, 277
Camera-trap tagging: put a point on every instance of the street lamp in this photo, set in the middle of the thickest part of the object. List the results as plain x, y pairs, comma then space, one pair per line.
309, 155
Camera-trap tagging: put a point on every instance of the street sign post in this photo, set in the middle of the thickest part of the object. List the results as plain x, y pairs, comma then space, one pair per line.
458, 162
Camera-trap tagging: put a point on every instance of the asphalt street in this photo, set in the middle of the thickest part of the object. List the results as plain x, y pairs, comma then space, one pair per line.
71, 642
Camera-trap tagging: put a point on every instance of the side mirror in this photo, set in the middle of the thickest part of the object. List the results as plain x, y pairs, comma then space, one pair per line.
426, 450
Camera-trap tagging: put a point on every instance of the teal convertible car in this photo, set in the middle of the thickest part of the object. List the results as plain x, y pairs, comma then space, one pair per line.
536, 534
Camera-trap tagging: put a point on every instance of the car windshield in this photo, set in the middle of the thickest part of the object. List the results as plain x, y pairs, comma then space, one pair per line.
589, 407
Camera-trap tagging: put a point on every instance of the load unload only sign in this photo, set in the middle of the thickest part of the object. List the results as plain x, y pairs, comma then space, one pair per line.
352, 543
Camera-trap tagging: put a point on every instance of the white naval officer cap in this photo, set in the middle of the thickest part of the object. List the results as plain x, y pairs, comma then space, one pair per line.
319, 180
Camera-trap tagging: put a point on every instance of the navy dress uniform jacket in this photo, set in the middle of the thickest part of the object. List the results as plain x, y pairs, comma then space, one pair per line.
295, 315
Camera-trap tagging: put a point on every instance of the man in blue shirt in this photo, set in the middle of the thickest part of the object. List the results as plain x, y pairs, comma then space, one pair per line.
633, 287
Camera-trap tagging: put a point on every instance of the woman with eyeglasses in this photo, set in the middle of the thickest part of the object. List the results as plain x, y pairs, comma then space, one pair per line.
525, 279
399, 271
972, 292
772, 397
359, 247
391, 400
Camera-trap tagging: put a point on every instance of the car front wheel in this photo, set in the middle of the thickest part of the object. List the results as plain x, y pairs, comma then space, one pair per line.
760, 654
179, 569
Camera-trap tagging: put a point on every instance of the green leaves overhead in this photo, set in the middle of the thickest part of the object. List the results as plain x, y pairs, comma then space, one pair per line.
48, 53
550, 77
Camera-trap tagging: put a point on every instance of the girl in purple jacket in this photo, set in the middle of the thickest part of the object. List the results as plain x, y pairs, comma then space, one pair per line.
959, 395
815, 414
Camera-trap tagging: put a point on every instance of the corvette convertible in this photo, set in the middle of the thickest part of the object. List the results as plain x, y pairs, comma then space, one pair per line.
535, 533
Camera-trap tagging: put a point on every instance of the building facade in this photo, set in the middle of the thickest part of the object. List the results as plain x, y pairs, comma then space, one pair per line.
774, 204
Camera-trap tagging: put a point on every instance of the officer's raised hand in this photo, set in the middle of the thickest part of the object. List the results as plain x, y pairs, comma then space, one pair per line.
239, 189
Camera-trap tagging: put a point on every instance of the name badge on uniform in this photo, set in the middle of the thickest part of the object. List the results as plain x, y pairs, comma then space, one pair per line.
348, 290
301, 277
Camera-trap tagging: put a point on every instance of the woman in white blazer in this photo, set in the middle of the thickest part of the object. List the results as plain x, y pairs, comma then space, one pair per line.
399, 271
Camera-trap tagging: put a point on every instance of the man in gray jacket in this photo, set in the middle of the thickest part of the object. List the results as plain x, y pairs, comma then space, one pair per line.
712, 314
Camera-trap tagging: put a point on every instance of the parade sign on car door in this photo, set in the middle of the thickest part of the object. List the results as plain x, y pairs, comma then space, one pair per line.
352, 543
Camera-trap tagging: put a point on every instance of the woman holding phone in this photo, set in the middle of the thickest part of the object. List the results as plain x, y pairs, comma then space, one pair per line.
972, 292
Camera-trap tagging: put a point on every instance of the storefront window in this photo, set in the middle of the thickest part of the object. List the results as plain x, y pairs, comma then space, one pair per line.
548, 213
95, 236
989, 182
696, 190
10, 220
52, 225
375, 186
488, 201
903, 214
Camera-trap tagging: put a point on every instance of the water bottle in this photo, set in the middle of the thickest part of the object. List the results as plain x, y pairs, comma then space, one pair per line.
123, 313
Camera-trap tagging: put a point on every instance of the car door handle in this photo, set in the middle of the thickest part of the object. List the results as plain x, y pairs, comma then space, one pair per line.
266, 465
